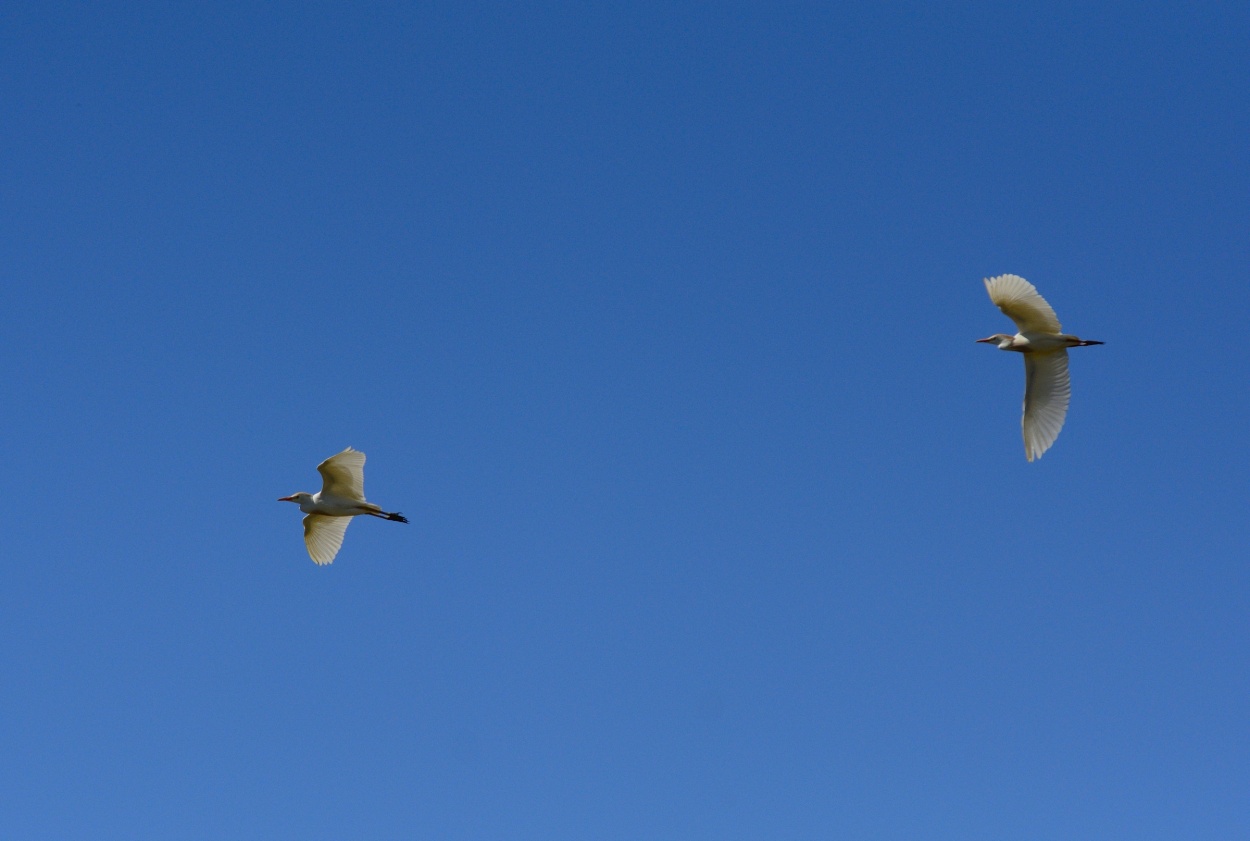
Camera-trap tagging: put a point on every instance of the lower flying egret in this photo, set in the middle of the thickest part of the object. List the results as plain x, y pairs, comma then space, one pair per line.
1045, 350
342, 497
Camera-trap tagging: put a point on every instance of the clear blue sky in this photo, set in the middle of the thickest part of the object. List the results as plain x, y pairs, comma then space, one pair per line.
657, 320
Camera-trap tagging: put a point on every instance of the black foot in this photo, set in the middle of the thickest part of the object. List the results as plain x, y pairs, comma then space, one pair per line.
399, 518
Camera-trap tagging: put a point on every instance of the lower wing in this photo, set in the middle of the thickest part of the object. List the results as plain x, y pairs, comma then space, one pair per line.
1046, 395
323, 535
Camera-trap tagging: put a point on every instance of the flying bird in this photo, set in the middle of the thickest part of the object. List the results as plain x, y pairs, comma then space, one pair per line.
1045, 350
342, 497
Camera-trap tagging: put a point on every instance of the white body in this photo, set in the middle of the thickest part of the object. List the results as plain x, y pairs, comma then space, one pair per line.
336, 506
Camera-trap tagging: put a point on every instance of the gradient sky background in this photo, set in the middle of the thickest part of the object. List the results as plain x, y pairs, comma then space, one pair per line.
657, 320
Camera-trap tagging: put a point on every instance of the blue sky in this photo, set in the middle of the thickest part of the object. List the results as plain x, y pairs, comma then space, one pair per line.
657, 321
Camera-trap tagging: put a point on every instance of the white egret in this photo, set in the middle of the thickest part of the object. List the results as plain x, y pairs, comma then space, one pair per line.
1045, 350
342, 497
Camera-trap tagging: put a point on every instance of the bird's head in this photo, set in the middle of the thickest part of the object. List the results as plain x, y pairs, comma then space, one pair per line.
299, 498
1001, 339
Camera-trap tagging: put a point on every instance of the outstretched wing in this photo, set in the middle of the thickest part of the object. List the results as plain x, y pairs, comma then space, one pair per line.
323, 535
1020, 301
343, 475
1046, 395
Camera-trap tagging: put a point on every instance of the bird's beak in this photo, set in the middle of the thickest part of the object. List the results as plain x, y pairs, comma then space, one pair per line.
990, 339
286, 499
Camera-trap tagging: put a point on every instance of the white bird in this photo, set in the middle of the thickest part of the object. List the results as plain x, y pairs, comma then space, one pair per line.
1045, 350
342, 497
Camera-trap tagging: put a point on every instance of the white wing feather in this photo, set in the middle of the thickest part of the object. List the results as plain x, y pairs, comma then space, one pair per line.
323, 535
1046, 395
343, 475
1022, 303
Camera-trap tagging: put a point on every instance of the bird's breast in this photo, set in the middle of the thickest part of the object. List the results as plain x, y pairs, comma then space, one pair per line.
1040, 342
336, 506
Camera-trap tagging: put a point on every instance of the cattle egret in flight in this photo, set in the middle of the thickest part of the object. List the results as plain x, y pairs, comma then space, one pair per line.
342, 497
1045, 351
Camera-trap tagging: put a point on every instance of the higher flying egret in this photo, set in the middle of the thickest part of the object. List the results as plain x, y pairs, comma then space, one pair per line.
342, 497
1045, 351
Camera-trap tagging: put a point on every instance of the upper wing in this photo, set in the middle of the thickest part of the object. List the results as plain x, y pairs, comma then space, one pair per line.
343, 475
1046, 394
1020, 300
323, 535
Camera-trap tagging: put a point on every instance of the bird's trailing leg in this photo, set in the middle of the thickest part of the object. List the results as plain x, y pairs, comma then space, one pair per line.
396, 516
